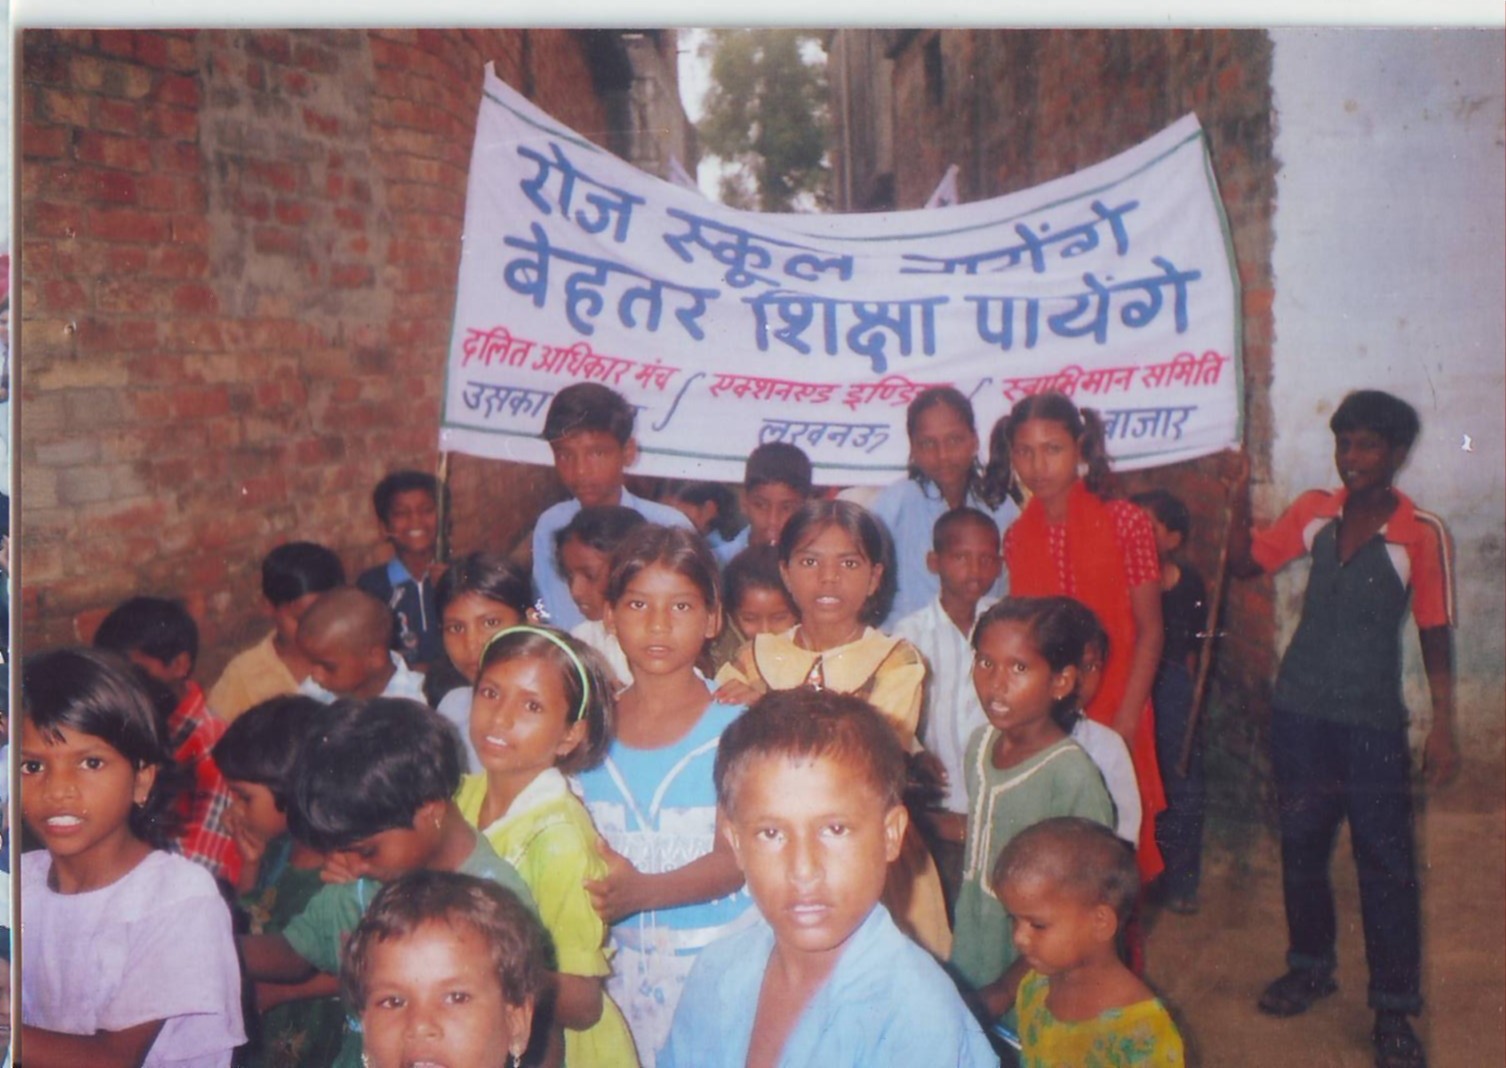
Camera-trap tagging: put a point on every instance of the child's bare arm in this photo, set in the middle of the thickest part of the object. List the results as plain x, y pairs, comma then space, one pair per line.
998, 996
273, 959
577, 1001
271, 995
626, 891
1440, 753
1145, 657
103, 1049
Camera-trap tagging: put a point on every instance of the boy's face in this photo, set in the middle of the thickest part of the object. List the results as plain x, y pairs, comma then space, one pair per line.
171, 673
1054, 930
391, 854
586, 573
590, 464
341, 669
763, 611
1365, 460
286, 617
1167, 541
968, 564
254, 806
433, 998
412, 523
814, 842
768, 508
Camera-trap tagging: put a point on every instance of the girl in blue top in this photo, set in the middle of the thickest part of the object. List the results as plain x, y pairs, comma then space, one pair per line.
944, 474
672, 884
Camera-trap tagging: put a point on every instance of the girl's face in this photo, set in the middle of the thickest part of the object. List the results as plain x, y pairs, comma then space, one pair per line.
76, 795
662, 621
470, 619
520, 716
1014, 682
763, 611
1053, 930
1045, 455
433, 997
943, 447
830, 578
587, 571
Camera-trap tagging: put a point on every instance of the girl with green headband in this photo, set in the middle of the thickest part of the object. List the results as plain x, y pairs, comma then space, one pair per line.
542, 708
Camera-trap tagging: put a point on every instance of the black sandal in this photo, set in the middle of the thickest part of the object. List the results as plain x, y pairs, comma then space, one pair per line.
1396, 1044
1295, 992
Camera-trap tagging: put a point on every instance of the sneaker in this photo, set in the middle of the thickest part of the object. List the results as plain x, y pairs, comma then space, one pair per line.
1295, 992
1396, 1044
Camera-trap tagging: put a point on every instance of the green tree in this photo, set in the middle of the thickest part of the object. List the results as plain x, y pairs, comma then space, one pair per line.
766, 115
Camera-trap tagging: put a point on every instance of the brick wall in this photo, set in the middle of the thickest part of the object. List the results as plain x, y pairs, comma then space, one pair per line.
1017, 108
239, 260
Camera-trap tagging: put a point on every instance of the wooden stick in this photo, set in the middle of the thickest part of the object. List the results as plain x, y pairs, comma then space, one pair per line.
442, 543
1210, 632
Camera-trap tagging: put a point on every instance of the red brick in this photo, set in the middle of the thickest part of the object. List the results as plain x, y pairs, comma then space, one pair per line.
110, 187
117, 116
351, 275
61, 296
167, 192
63, 107
193, 229
178, 89
293, 212
109, 150
43, 142
320, 123
150, 49
198, 402
179, 261
269, 44
127, 224
179, 157
195, 299
274, 240
46, 219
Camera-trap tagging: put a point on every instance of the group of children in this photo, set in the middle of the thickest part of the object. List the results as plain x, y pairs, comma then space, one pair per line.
703, 800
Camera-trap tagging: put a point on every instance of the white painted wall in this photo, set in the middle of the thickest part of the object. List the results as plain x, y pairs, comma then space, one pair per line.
1390, 272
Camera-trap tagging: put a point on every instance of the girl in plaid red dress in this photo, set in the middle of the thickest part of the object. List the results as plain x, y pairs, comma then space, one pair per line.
1070, 541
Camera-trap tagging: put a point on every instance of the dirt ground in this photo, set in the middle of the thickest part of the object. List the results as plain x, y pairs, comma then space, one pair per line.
1212, 966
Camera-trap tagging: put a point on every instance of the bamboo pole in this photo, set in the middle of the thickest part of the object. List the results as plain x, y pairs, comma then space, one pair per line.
1210, 634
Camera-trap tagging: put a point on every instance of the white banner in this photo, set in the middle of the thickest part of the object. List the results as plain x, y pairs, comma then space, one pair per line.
1115, 285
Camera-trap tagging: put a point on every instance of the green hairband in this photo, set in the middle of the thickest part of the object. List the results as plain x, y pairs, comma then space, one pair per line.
563, 646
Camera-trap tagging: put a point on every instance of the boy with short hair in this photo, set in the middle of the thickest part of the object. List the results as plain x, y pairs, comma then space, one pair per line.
776, 482
407, 512
1338, 723
809, 788
373, 788
1184, 615
162, 640
589, 428
292, 578
344, 636
965, 558
1070, 886
299, 1025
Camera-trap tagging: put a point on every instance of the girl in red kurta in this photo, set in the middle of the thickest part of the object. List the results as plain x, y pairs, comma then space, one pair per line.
1071, 541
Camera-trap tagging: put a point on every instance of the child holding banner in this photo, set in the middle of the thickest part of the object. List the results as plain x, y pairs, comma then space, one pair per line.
1070, 541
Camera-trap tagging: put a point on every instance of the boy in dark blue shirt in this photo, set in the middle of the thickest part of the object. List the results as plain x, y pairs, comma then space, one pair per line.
407, 510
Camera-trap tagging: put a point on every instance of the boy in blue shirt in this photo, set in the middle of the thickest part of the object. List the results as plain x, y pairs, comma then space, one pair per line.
407, 510
590, 431
809, 790
776, 482
1338, 725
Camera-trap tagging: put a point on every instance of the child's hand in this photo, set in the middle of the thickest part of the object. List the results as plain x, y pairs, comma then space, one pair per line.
1440, 756
335, 870
616, 895
1234, 469
735, 692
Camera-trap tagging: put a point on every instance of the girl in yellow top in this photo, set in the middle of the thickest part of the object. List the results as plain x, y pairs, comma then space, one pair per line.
1069, 885
832, 558
543, 707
